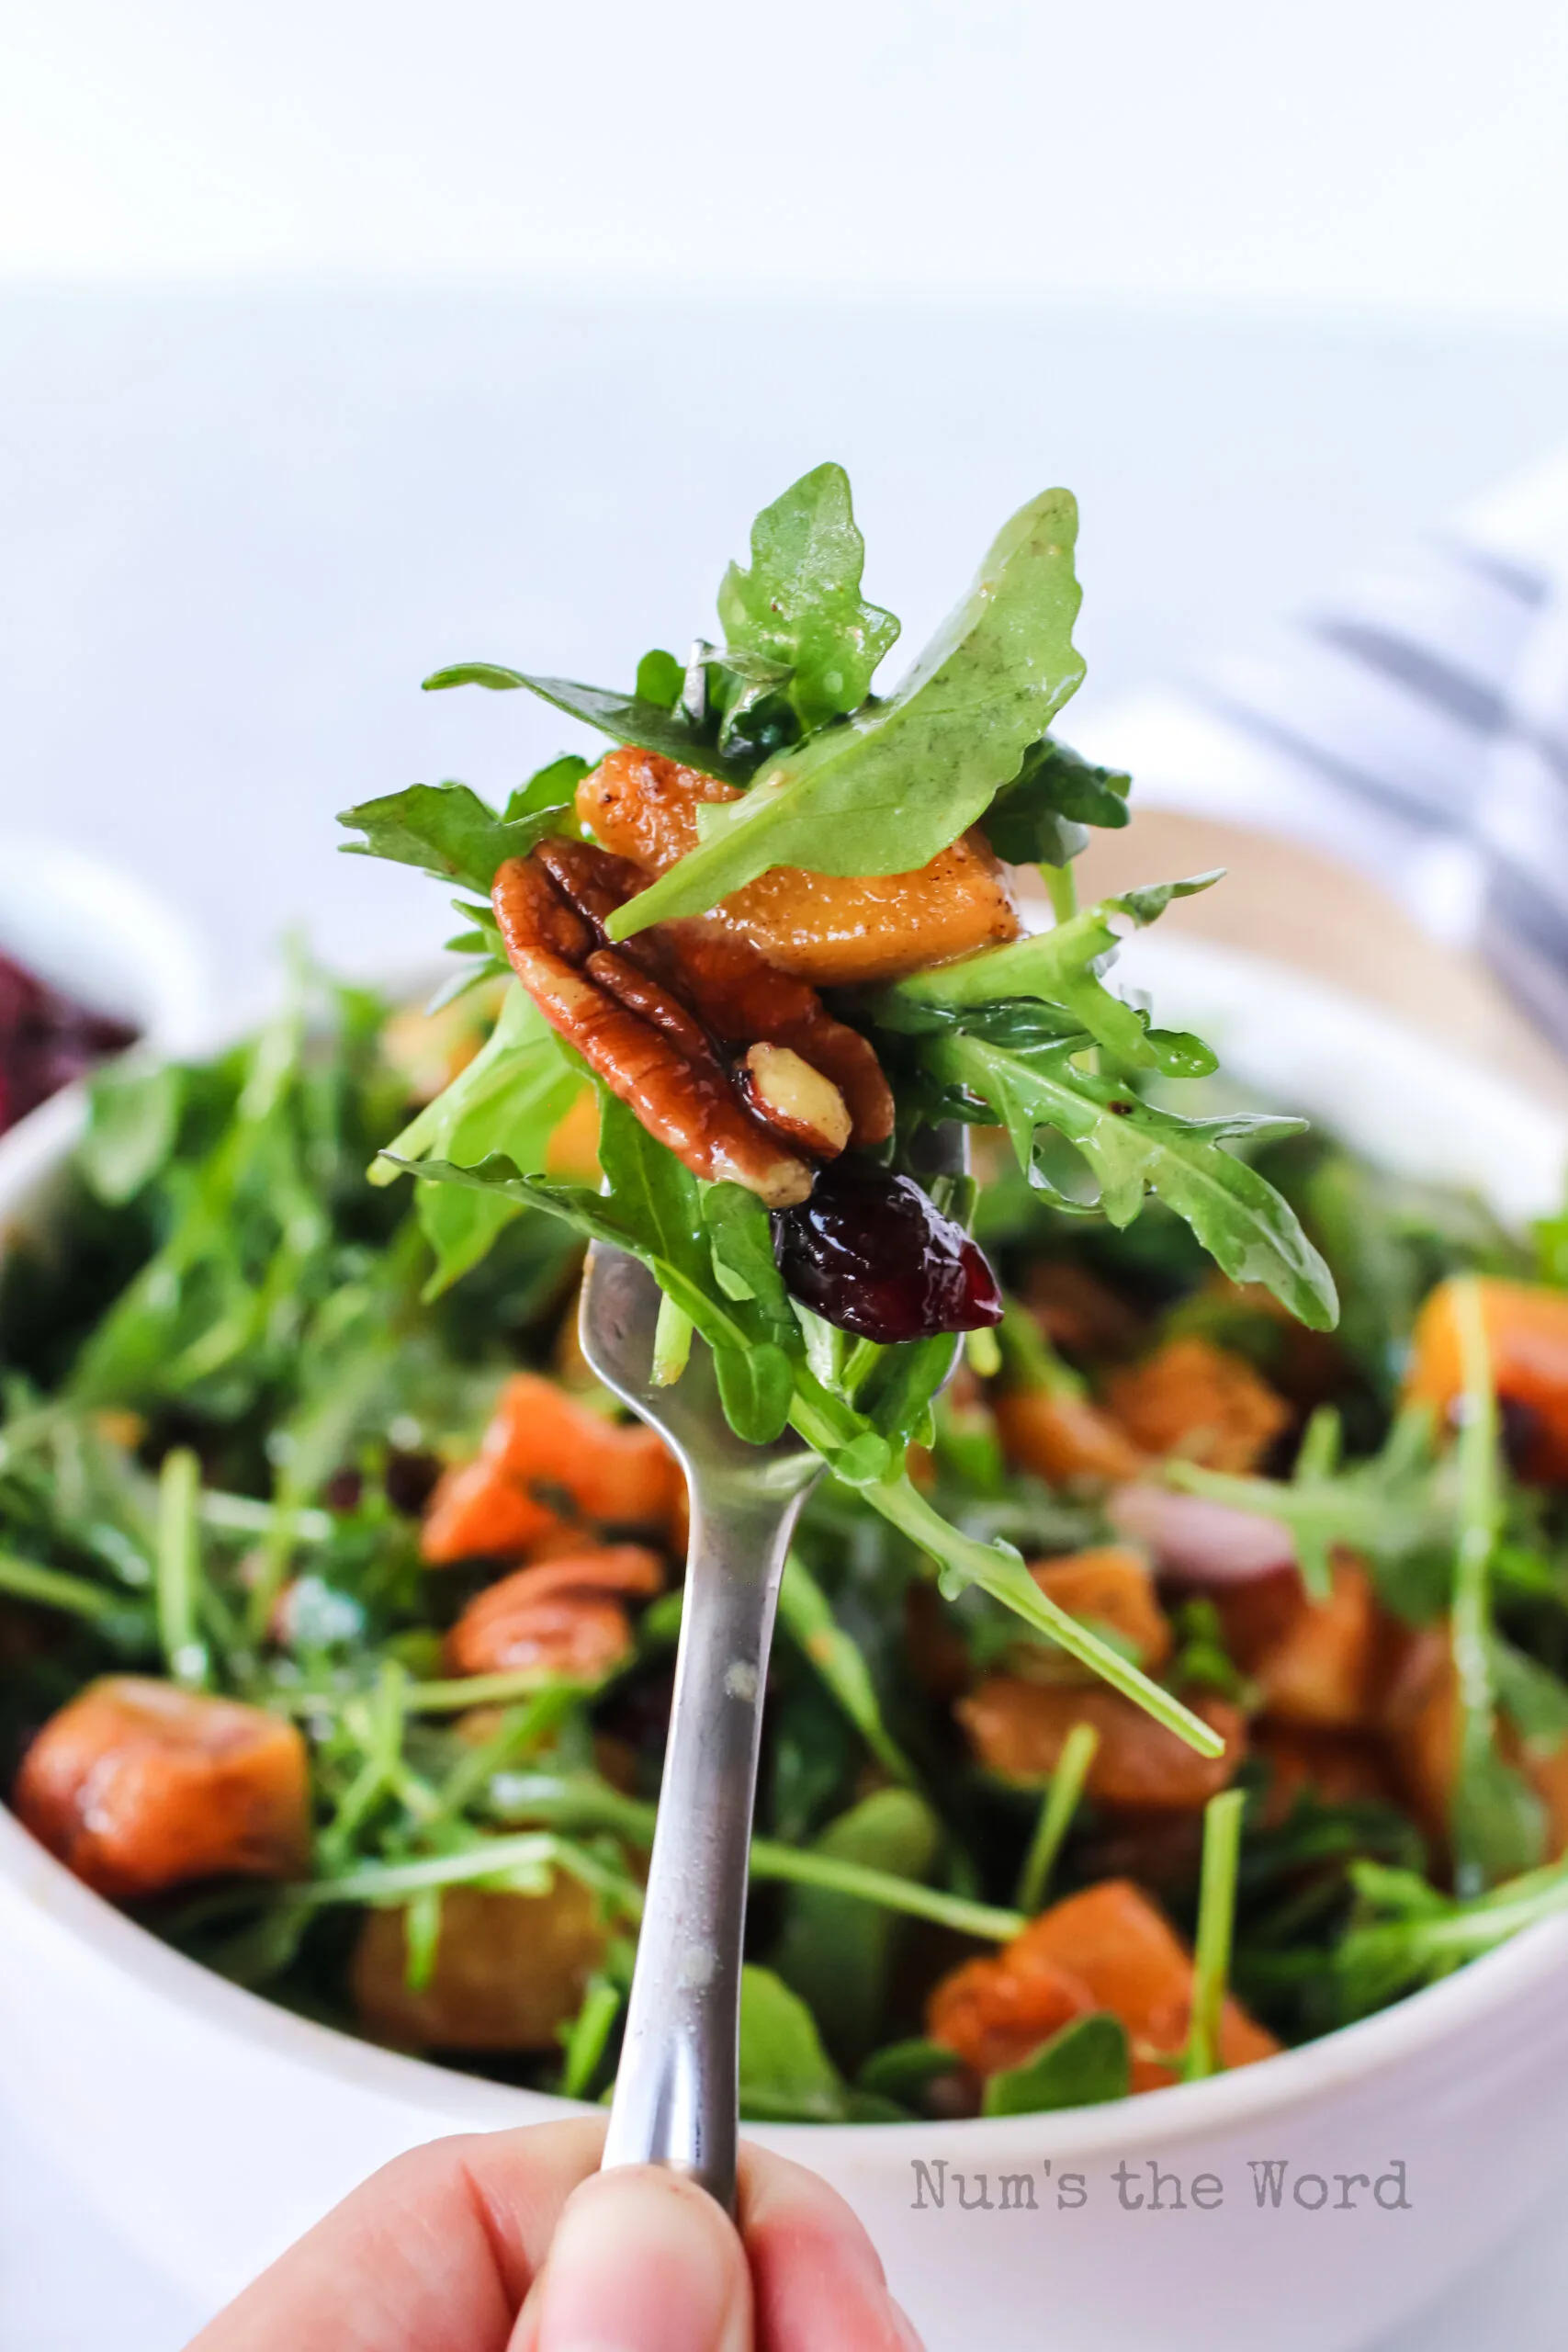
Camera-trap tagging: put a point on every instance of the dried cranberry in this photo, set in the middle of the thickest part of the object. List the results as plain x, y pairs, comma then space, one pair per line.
872, 1253
45, 1041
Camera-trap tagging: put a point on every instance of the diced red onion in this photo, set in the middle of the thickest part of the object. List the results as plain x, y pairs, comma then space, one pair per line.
1202, 1542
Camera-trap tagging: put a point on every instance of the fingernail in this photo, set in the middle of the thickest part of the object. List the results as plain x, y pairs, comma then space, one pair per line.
643, 2261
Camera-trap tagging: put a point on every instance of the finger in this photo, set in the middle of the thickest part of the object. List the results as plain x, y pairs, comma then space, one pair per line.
642, 2261
435, 2253
816, 2277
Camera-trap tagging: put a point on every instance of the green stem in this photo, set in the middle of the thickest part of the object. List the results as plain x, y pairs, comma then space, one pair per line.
451, 1698
1004, 1578
1216, 1924
672, 1343
589, 2032
1480, 1514
1062, 889
1078, 1752
798, 1868
1030, 1358
177, 1575
587, 1805
56, 1589
247, 1515
496, 1861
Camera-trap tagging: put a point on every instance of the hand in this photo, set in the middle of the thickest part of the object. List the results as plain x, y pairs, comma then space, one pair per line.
513, 2241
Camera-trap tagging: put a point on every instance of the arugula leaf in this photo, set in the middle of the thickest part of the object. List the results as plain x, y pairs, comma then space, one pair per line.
786, 2076
1085, 2065
806, 1615
625, 717
1040, 818
1131, 1148
445, 829
1408, 1933
1062, 966
836, 1952
134, 1116
903, 2070
1534, 1699
1397, 1510
661, 679
1498, 1822
800, 603
552, 789
888, 789
510, 1098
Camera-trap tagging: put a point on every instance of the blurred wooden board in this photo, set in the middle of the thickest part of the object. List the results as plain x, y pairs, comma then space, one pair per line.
1291, 903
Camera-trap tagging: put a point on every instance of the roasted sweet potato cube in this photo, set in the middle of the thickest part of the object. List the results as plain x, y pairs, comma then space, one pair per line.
1130, 1959
1421, 1718
1320, 1668
836, 931
1109, 1587
1422, 1722
1526, 1334
1065, 1440
1079, 1311
1337, 1767
562, 1616
547, 1459
138, 1785
1018, 1729
995, 2012
509, 1970
1199, 1401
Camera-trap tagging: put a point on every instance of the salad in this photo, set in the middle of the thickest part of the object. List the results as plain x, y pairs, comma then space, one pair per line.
1180, 1676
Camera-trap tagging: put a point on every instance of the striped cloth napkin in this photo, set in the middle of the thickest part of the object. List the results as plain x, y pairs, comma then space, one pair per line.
1415, 726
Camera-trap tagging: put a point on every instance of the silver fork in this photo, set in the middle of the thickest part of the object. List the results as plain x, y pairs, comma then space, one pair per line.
675, 2100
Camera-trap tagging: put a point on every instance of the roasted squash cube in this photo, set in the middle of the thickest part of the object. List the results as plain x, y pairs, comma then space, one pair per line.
548, 1460
138, 1786
1018, 1730
1526, 1334
836, 931
1199, 1401
509, 1970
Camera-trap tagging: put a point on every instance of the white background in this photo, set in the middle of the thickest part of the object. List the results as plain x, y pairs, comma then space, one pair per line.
339, 340
1391, 156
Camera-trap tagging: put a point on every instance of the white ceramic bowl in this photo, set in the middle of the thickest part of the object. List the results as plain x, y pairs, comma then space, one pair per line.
213, 2127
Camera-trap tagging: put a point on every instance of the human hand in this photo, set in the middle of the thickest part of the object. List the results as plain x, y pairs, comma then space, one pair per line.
513, 2241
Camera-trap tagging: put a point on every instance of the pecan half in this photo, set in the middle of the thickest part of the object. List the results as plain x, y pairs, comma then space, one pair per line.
654, 1016
559, 1617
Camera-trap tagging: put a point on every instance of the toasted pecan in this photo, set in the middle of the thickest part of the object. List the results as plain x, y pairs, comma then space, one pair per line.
659, 1017
561, 1616
689, 1105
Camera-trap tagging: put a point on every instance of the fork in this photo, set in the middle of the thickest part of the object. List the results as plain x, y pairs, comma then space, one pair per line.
675, 2100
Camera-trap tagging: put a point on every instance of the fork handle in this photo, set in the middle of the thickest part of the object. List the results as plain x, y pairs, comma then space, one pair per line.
676, 2099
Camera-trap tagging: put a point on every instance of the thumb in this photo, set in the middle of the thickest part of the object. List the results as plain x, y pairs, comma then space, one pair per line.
642, 2261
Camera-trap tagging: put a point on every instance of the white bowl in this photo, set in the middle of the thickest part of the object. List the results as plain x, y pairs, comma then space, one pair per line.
105, 940
213, 2127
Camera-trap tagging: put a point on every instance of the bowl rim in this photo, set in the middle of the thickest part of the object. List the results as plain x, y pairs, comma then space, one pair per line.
1181, 2113
1298, 2078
